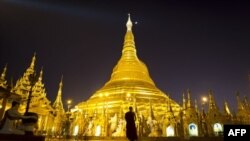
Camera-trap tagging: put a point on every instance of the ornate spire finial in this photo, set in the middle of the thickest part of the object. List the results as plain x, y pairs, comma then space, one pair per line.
32, 65
129, 23
183, 101
61, 83
60, 86
189, 102
41, 74
226, 108
188, 94
129, 51
239, 102
4, 72
3, 81
196, 106
5, 67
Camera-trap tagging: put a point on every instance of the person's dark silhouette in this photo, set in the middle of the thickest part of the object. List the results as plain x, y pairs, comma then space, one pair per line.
12, 115
130, 126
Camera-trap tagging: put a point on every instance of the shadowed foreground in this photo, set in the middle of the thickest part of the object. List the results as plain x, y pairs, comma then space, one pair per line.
9, 137
42, 138
140, 139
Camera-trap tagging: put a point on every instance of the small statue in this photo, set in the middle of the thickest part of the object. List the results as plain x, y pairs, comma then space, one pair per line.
89, 131
113, 123
119, 132
152, 124
7, 125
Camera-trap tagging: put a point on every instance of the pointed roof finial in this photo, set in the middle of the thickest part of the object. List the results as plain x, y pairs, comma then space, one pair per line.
183, 101
3, 81
61, 82
62, 78
4, 72
41, 74
32, 65
226, 108
5, 67
129, 23
239, 102
196, 105
189, 102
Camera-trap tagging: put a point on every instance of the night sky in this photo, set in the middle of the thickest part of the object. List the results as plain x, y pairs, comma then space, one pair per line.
195, 45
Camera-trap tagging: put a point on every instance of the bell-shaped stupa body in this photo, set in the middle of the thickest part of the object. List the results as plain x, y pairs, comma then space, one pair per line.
130, 85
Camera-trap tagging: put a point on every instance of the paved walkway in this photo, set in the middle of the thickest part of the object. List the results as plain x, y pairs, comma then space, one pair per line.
143, 139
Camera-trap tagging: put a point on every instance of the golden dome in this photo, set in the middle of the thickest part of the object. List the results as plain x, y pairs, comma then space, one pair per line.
130, 84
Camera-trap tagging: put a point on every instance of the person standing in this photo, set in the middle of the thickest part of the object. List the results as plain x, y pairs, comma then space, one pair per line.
130, 126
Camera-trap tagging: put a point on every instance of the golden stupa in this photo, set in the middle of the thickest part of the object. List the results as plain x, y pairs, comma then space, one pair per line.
130, 85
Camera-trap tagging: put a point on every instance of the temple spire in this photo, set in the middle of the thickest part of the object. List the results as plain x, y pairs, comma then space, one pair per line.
32, 65
183, 101
31, 69
58, 102
60, 86
246, 103
196, 106
38, 90
212, 104
129, 51
189, 102
4, 72
3, 81
41, 75
129, 24
23, 84
239, 102
39, 86
59, 110
129, 66
226, 108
